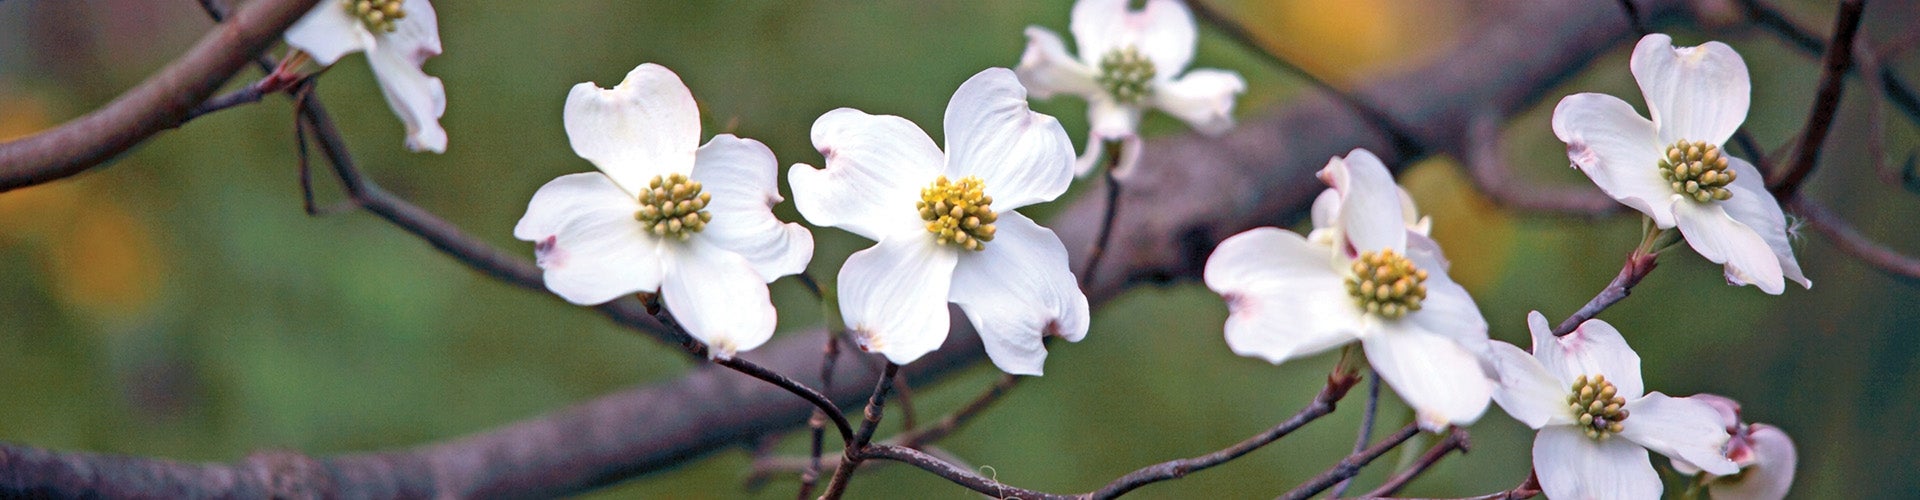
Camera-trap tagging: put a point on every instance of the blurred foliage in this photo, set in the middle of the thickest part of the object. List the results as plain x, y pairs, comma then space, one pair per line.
180, 304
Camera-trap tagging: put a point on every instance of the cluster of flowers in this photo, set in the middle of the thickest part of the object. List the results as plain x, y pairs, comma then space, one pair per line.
694, 224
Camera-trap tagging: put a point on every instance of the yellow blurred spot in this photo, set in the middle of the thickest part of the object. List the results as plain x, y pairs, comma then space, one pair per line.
1476, 235
106, 265
20, 115
1339, 40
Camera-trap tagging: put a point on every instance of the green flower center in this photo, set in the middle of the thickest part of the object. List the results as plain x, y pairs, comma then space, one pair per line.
1126, 74
1697, 170
378, 15
673, 206
1387, 284
958, 213
1602, 412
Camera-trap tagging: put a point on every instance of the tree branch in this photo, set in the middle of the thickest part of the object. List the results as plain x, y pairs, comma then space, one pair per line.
1896, 89
1846, 24
1850, 241
1352, 464
1455, 441
161, 102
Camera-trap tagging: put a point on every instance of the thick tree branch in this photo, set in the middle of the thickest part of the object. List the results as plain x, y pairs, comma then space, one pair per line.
161, 102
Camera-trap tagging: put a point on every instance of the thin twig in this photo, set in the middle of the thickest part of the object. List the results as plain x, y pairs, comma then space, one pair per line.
1850, 241
962, 477
1336, 388
1106, 220
1455, 441
1639, 264
857, 447
1826, 102
903, 397
1365, 435
1896, 89
953, 421
818, 423
1351, 465
820, 401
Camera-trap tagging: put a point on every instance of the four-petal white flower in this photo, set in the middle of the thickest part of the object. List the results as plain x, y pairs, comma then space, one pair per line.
1674, 169
695, 224
945, 224
1129, 61
1365, 277
398, 36
1584, 393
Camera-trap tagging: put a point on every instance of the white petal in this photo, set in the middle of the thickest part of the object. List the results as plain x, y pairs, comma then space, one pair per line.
1203, 98
646, 126
1023, 157
1047, 69
1573, 466
1527, 390
1111, 120
418, 99
1017, 290
1370, 210
1130, 148
1099, 26
328, 32
1441, 380
1167, 35
718, 297
875, 169
894, 296
1711, 231
1285, 299
586, 239
1619, 150
1680, 428
1448, 310
1594, 348
1699, 93
1770, 476
416, 37
739, 173
1756, 208
1326, 209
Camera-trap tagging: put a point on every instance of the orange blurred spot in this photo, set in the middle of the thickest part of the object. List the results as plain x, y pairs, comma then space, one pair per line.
1476, 235
1339, 40
107, 265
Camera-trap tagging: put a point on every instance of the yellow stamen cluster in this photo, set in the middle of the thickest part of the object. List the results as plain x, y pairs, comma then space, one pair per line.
1602, 411
1387, 283
958, 213
673, 207
1697, 170
378, 15
1126, 74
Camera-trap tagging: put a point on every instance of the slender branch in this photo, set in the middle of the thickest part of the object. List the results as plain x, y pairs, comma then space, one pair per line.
1365, 435
1456, 440
953, 421
1849, 240
1351, 465
1826, 102
818, 423
163, 101
1766, 16
1336, 388
1639, 264
1528, 488
959, 476
857, 447
1113, 152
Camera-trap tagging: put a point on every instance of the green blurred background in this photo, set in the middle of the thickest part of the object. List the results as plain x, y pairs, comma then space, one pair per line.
180, 304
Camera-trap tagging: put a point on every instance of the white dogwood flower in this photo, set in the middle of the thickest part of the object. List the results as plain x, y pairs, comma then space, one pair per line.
694, 224
1765, 454
945, 224
1675, 169
1366, 277
1584, 394
1129, 61
398, 36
